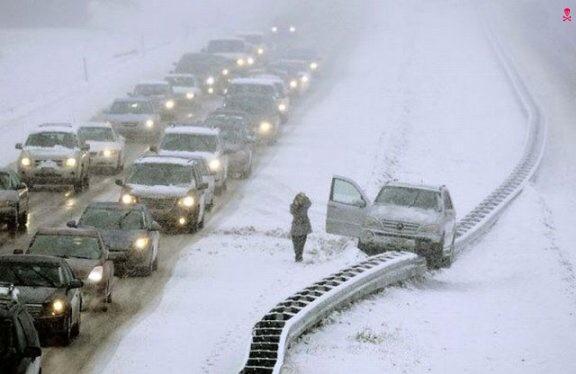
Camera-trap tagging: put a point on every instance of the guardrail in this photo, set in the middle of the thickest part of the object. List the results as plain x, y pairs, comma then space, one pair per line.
301, 311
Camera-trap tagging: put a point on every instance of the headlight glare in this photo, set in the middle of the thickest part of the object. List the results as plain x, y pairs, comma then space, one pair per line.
265, 126
225, 72
149, 123
282, 107
240, 62
170, 104
25, 161
141, 243
187, 201
313, 65
71, 162
190, 95
293, 84
250, 61
215, 165
58, 306
128, 199
96, 274
210, 81
260, 51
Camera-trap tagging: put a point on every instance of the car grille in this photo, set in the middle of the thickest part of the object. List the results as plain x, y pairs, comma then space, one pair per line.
58, 163
399, 227
153, 203
35, 310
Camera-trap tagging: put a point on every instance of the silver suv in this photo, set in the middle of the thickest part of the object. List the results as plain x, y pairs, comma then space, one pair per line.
14, 200
416, 218
54, 155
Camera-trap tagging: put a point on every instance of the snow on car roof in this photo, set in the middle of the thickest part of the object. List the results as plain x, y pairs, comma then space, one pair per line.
164, 160
54, 127
414, 185
95, 124
192, 130
132, 99
227, 39
270, 78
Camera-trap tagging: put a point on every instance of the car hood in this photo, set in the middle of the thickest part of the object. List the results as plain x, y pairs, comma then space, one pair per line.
184, 154
128, 117
82, 267
404, 214
96, 146
158, 191
36, 295
121, 240
8, 195
49, 152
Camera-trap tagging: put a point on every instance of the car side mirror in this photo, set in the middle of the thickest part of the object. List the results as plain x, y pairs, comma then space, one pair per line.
203, 186
155, 226
85, 147
72, 224
119, 182
18, 146
154, 148
76, 283
360, 203
32, 352
18, 252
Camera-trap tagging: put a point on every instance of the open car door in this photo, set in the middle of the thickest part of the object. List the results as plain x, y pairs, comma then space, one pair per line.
346, 207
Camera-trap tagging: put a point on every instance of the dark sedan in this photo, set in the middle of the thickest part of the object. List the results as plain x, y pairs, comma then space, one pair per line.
130, 233
49, 290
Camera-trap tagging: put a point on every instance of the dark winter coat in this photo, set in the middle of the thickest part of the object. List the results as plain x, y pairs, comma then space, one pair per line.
299, 210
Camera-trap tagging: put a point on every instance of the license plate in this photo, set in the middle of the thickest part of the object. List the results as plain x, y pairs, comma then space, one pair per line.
47, 171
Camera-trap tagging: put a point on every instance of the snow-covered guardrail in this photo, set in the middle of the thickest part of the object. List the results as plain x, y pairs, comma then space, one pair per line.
298, 313
306, 308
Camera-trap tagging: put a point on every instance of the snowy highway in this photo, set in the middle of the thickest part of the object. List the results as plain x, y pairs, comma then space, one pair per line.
412, 91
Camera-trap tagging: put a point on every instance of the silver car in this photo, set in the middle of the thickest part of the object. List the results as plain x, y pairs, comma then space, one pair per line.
54, 155
106, 146
409, 217
135, 118
14, 200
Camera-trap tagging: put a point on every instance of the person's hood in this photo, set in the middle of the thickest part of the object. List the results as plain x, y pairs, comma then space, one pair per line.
82, 267
96, 146
121, 240
8, 195
184, 154
404, 214
49, 152
128, 117
155, 192
37, 295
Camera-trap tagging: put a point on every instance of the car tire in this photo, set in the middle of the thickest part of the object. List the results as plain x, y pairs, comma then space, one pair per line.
448, 260
435, 258
147, 270
155, 263
79, 186
67, 334
12, 224
76, 328
22, 221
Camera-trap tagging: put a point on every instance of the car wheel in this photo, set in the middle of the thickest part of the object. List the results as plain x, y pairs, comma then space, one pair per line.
146, 271
13, 224
120, 165
76, 328
448, 260
155, 263
67, 334
435, 257
86, 182
79, 186
192, 226
22, 220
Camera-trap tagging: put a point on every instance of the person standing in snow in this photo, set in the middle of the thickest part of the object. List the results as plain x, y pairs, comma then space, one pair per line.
300, 223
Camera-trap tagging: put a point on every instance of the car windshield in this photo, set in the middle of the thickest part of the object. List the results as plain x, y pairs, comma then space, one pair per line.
4, 181
31, 274
131, 107
181, 81
254, 39
52, 139
231, 133
112, 219
159, 174
409, 197
251, 89
67, 246
97, 134
225, 46
151, 89
189, 143
252, 105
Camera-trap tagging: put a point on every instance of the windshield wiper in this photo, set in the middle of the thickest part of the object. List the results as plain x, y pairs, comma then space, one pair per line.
121, 220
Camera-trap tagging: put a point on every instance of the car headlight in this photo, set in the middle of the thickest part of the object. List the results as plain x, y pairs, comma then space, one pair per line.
304, 79
225, 72
187, 201
265, 127
274, 29
240, 62
58, 306
293, 83
71, 162
210, 81
250, 61
190, 95
282, 107
170, 104
149, 123
25, 161
141, 243
108, 153
128, 199
210, 90
96, 274
292, 29
260, 51
432, 229
215, 165
313, 65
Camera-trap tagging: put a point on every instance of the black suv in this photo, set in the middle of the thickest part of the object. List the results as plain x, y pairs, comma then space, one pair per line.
20, 350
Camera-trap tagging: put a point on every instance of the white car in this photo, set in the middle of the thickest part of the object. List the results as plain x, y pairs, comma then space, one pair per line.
135, 118
187, 90
190, 141
107, 147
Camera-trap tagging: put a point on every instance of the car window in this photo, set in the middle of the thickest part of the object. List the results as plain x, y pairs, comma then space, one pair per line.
52, 139
83, 247
152, 89
345, 192
251, 89
99, 134
112, 219
189, 143
409, 197
225, 46
131, 107
157, 174
31, 274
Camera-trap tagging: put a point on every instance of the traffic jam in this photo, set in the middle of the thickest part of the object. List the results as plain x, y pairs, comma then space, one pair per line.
202, 124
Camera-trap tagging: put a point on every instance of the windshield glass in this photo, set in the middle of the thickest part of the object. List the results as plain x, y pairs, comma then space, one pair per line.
189, 143
181, 81
112, 219
225, 46
131, 107
231, 133
33, 275
409, 197
155, 174
83, 247
254, 39
4, 181
98, 134
52, 139
251, 89
151, 89
252, 105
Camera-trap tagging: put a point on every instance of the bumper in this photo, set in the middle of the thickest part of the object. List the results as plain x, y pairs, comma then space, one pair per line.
377, 241
7, 213
99, 161
50, 325
126, 262
51, 176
